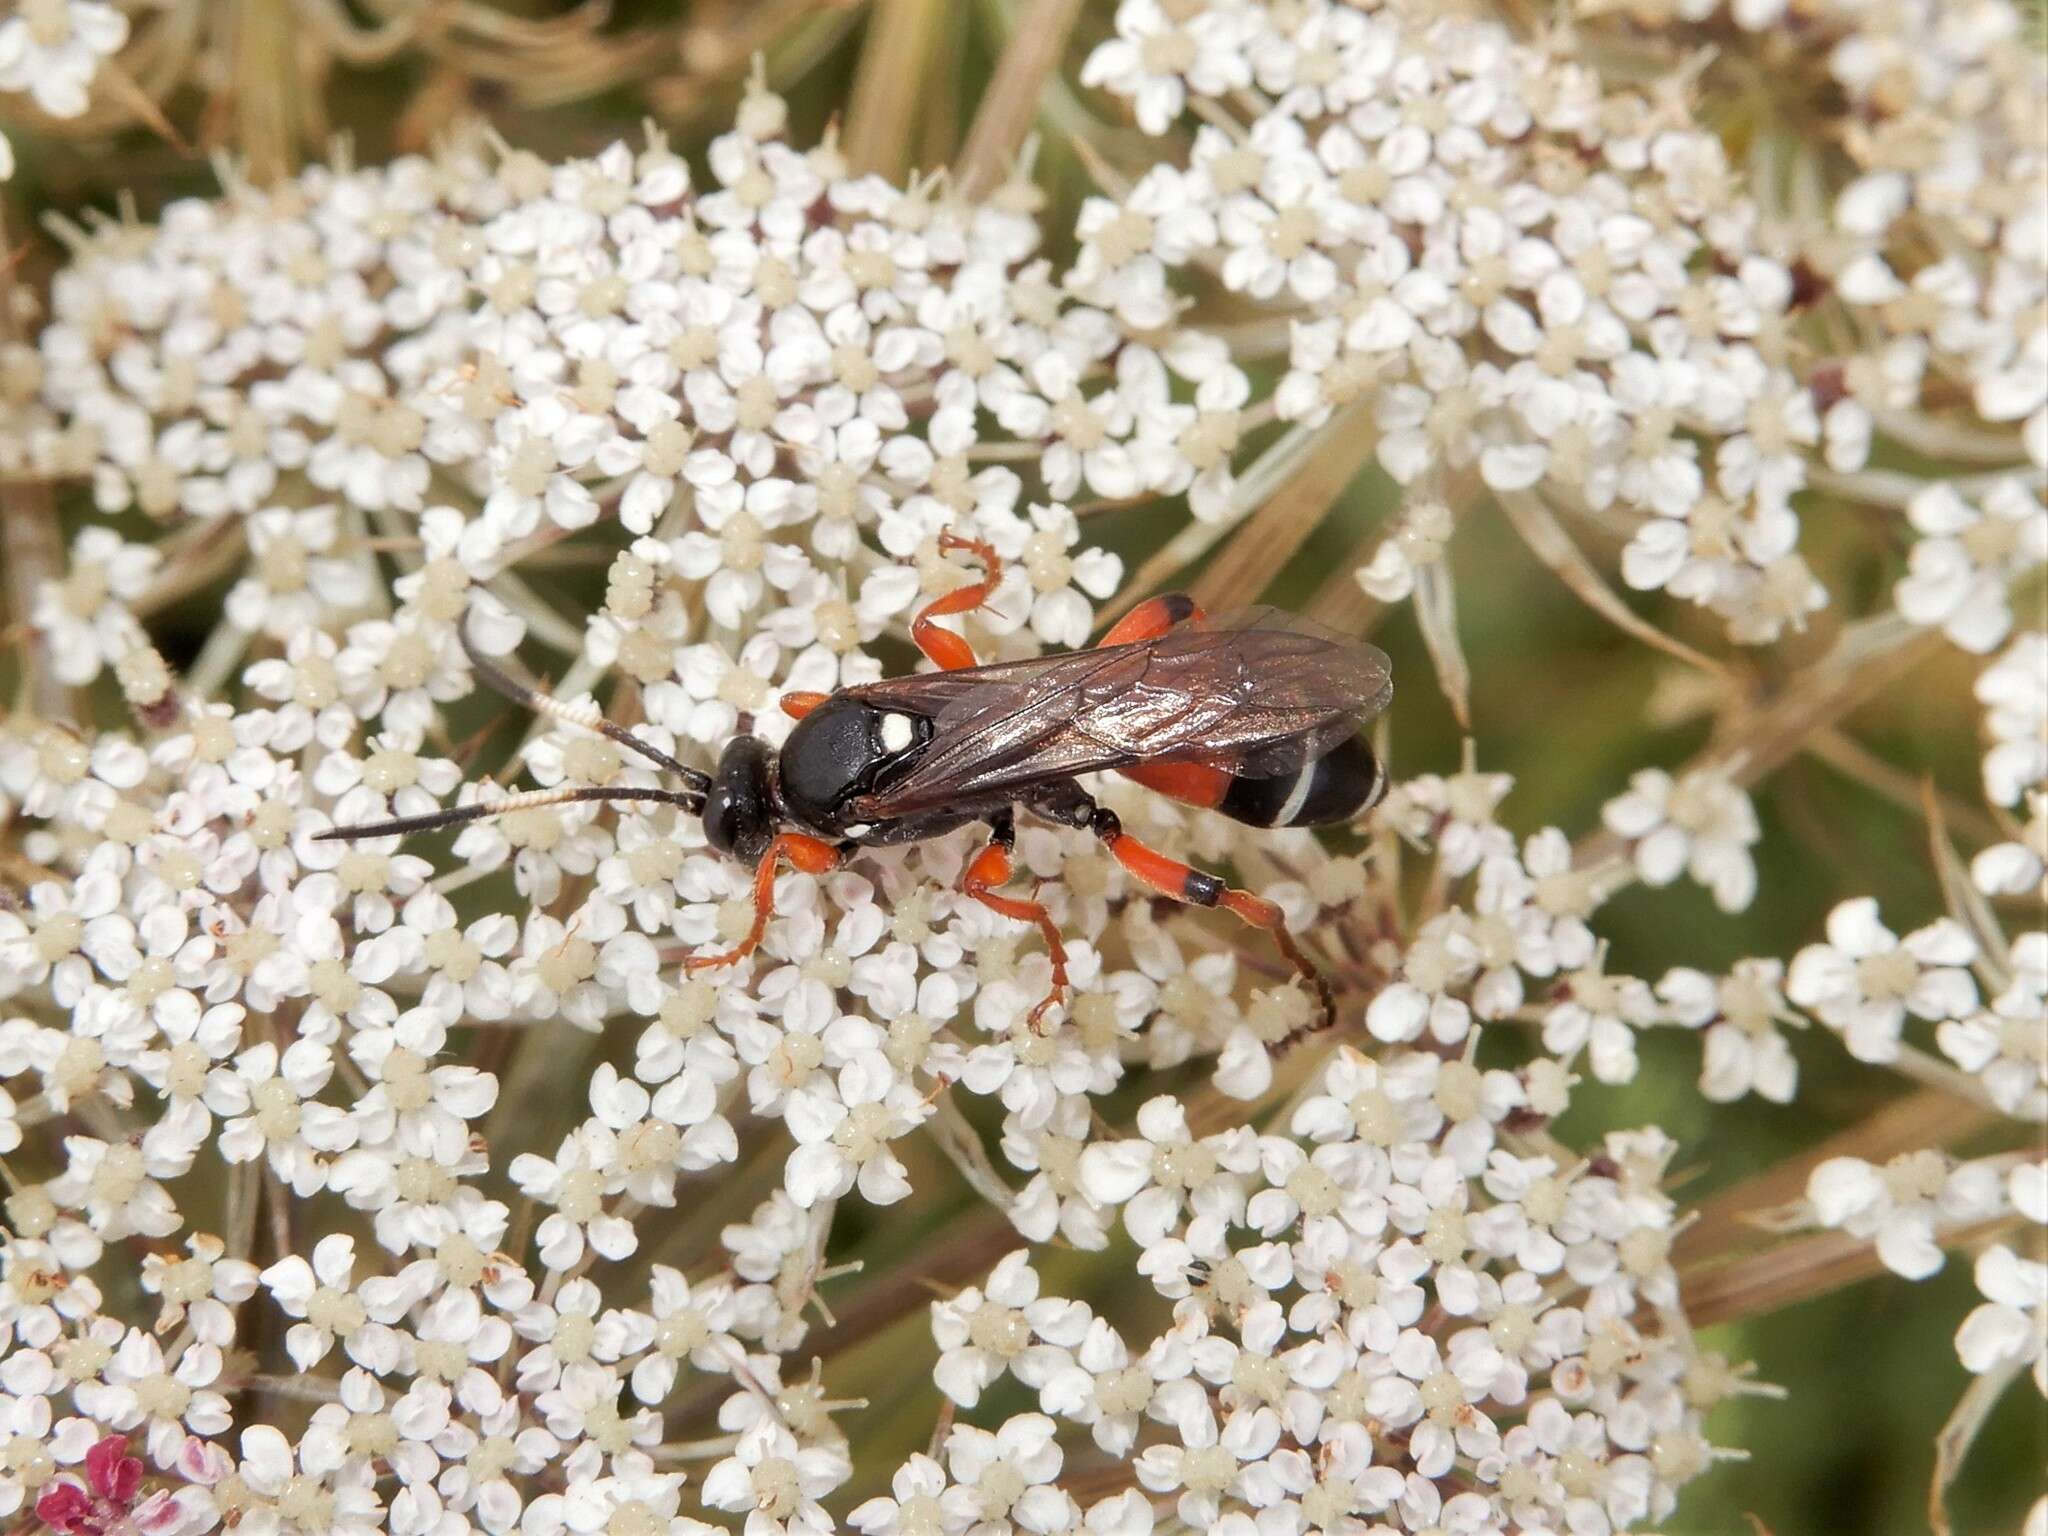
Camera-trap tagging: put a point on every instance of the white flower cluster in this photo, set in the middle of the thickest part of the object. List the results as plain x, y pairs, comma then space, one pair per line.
1302, 1384
1503, 269
1936, 250
1568, 294
1514, 273
1410, 1253
1939, 245
776, 385
50, 50
241, 374
1984, 989
2014, 693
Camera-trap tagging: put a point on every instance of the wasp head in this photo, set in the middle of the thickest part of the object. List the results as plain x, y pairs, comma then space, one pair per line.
740, 810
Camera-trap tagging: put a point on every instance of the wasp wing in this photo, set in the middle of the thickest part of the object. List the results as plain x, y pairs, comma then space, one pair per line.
1260, 692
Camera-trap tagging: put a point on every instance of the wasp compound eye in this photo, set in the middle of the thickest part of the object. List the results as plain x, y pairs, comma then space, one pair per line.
739, 808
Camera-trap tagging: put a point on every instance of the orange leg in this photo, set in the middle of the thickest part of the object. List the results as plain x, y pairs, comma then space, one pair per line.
797, 705
1183, 882
991, 868
812, 855
948, 650
1152, 618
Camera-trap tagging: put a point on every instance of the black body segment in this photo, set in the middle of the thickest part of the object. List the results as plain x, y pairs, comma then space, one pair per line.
1332, 788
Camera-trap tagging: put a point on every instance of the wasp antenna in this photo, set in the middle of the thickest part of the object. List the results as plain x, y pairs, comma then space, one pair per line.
541, 703
482, 810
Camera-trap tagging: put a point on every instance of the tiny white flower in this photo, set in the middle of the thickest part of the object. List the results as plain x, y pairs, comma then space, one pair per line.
1865, 980
2006, 1329
1966, 556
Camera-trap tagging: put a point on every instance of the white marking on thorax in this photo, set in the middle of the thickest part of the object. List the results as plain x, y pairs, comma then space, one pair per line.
860, 829
897, 732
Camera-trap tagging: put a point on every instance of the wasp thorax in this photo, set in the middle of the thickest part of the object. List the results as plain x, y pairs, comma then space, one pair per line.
838, 752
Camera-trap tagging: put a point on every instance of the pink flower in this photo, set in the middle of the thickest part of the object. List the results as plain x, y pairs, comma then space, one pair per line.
106, 1505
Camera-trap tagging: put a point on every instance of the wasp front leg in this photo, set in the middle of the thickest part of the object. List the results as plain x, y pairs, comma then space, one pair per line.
947, 650
1182, 882
992, 867
812, 855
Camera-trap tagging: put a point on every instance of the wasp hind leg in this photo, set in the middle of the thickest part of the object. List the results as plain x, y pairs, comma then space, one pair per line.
1152, 618
1182, 882
992, 867
951, 652
812, 855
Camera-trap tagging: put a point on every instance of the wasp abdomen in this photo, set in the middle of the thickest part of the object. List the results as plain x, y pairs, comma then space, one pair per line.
1332, 788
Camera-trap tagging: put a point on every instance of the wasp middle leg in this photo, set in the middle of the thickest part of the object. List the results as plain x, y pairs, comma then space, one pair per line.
992, 867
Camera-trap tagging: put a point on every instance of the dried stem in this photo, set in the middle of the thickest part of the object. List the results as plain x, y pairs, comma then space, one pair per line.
265, 76
29, 541
530, 1099
1272, 469
299, 1386
956, 1137
197, 555
239, 1220
1261, 547
1917, 1066
1009, 105
1965, 902
1547, 538
1793, 1271
904, 36
362, 46
217, 659
278, 1205
1853, 760
694, 1450
912, 1285
1864, 660
1341, 602
1928, 1118
1789, 1272
1953, 1444
1436, 613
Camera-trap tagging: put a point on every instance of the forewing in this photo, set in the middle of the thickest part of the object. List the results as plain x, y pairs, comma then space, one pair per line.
1298, 689
1260, 692
1011, 725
